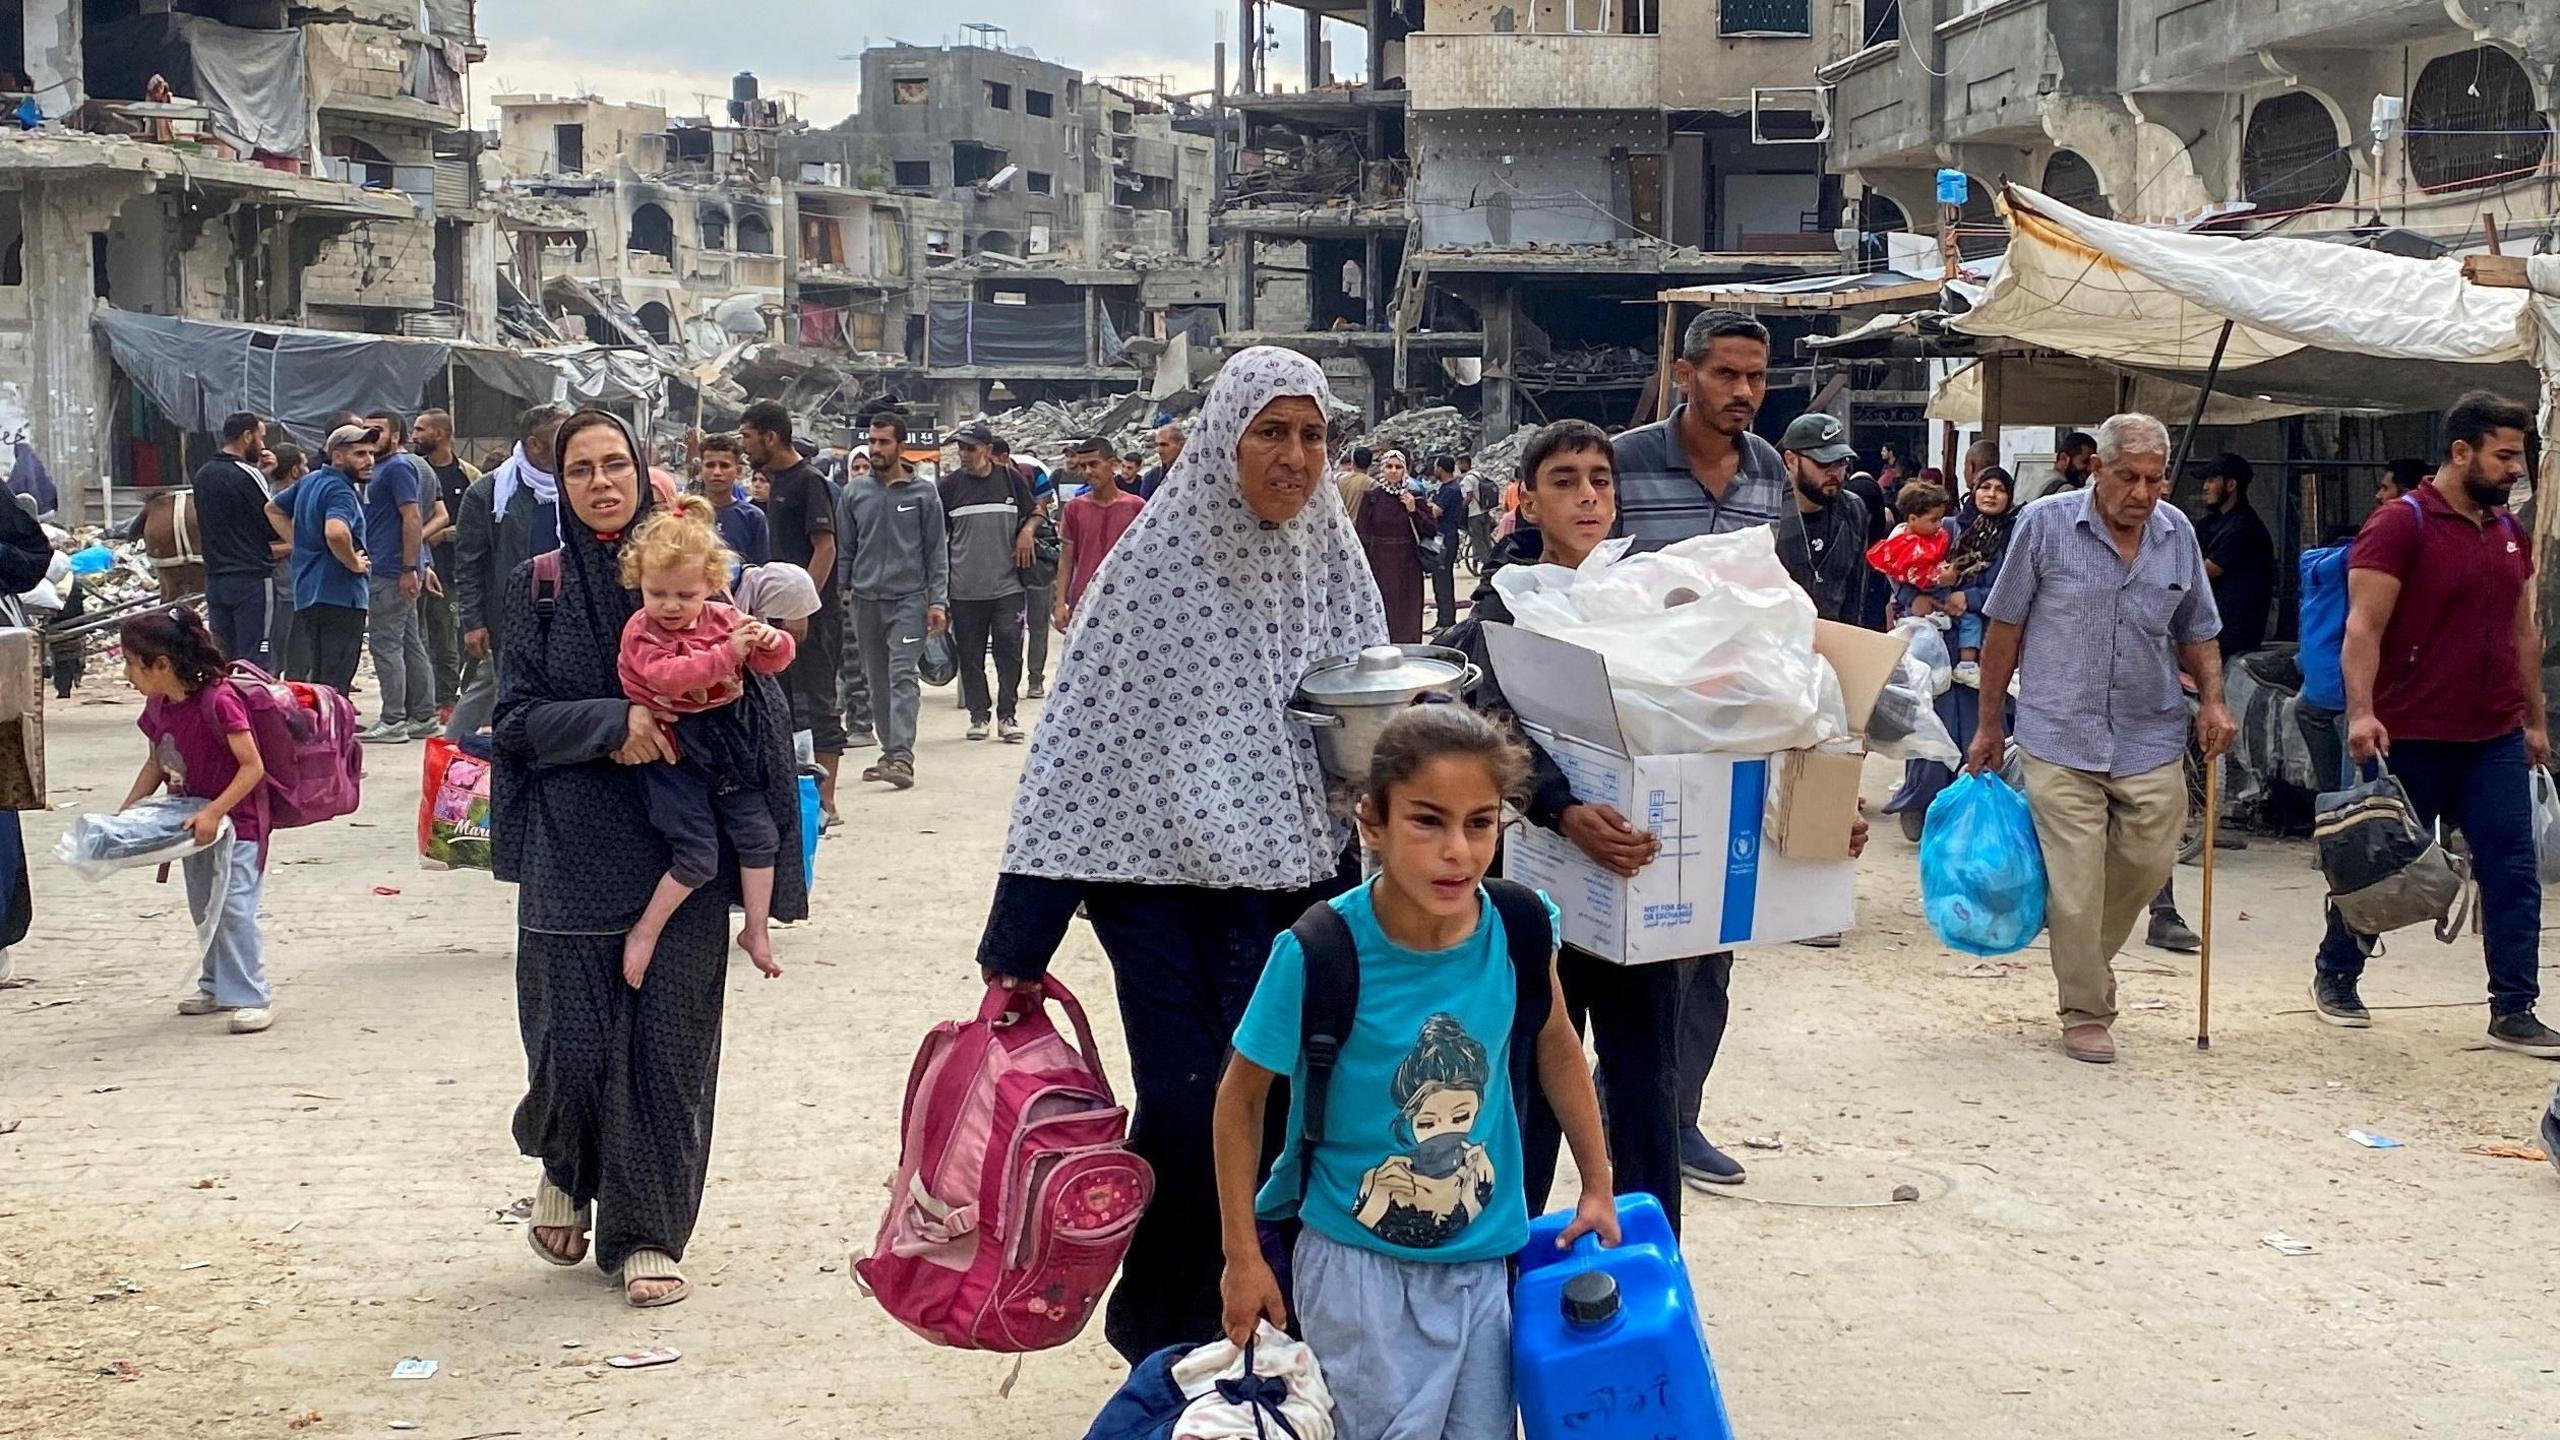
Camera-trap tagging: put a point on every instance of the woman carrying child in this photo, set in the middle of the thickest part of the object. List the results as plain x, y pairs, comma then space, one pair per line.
686, 656
1410, 1202
1972, 565
201, 746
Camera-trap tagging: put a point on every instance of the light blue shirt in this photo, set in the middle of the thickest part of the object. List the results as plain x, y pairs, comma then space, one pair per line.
1421, 1154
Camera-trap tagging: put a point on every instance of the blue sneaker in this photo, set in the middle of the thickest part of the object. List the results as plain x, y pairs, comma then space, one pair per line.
1702, 1163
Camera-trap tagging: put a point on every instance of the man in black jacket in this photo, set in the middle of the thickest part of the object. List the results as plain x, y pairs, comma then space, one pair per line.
494, 535
239, 545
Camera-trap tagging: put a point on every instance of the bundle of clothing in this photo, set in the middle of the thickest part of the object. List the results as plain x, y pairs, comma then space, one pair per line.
1271, 1389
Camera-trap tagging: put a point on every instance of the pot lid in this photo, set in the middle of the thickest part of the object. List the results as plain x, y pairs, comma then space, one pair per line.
1384, 674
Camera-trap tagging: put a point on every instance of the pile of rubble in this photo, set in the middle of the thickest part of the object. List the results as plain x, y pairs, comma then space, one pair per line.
1043, 428
1443, 430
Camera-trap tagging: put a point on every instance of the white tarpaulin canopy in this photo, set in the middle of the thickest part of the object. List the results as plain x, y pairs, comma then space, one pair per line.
2158, 298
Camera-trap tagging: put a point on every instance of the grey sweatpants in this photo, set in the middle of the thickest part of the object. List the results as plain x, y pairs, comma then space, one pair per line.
397, 635
889, 636
1410, 1350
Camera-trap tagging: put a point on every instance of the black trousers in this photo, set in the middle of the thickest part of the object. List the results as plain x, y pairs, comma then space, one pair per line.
1630, 1013
327, 641
1706, 1003
1184, 960
1444, 581
980, 626
811, 680
692, 812
235, 607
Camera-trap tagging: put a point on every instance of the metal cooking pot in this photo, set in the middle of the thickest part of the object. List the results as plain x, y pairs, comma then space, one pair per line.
1347, 701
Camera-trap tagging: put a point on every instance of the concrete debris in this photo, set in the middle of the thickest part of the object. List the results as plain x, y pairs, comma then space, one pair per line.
1442, 429
1128, 422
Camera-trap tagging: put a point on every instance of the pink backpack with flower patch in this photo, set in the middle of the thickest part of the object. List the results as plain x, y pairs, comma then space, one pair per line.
1015, 1194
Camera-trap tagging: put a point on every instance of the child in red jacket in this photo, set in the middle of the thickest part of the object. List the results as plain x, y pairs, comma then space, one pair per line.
686, 655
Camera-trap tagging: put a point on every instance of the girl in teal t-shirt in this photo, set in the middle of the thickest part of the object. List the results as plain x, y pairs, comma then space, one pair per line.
1413, 1201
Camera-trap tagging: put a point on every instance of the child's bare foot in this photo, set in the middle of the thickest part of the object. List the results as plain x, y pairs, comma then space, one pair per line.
637, 948
758, 943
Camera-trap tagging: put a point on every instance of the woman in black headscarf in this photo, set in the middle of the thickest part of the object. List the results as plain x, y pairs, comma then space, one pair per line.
618, 1099
25, 555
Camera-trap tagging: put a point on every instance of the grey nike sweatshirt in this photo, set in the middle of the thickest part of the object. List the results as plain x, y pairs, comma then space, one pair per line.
893, 540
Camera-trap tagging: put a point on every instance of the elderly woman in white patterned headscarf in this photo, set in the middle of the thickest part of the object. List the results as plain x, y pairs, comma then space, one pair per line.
1170, 796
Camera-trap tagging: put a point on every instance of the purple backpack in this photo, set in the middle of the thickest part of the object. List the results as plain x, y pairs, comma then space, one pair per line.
306, 737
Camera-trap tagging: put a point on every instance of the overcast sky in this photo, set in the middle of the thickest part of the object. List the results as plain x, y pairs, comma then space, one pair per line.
669, 51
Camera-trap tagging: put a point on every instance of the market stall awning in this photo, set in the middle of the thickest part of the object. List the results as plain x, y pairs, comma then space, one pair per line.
198, 371
2312, 322
1818, 292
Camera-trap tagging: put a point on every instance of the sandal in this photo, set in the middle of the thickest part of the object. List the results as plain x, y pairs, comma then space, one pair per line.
554, 1210
651, 1265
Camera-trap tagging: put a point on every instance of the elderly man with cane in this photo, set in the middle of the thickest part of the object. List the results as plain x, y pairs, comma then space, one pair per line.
2103, 601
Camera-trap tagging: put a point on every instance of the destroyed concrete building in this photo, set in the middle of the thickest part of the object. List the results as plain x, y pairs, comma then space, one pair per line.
1081, 246
1488, 210
240, 161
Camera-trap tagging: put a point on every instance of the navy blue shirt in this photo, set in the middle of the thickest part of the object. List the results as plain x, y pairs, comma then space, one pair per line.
318, 577
1452, 500
395, 483
743, 529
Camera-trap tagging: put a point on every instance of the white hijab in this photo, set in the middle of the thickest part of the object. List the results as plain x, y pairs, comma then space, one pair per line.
1162, 756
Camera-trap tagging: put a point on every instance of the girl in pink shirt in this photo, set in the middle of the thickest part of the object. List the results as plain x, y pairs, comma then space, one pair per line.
202, 747
685, 656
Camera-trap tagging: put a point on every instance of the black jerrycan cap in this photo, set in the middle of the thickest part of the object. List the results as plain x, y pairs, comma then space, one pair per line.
1590, 1298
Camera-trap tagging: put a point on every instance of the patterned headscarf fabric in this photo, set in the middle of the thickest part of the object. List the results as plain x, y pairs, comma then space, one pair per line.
1163, 756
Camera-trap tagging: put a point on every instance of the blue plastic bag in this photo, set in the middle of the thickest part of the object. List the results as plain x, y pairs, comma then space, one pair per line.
1981, 871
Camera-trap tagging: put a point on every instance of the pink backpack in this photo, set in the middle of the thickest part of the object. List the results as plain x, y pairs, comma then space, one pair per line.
306, 736
1015, 1193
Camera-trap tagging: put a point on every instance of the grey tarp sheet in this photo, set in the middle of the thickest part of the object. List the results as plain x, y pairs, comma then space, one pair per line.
254, 80
199, 371
968, 333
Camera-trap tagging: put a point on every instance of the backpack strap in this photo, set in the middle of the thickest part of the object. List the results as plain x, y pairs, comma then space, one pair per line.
2506, 518
1325, 1011
1530, 937
545, 582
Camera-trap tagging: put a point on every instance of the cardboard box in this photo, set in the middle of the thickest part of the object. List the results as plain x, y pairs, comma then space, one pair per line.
1722, 881
1813, 804
21, 723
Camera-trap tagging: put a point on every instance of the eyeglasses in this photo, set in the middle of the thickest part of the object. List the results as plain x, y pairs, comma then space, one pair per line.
615, 468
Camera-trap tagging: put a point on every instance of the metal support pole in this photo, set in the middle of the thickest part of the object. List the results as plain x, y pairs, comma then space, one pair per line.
2212, 373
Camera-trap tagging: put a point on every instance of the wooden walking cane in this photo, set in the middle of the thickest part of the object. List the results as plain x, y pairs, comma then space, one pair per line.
2204, 964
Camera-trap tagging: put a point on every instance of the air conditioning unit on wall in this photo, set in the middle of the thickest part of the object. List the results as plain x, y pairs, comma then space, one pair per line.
1790, 114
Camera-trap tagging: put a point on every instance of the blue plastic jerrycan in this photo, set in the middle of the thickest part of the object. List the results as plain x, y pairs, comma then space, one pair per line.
1607, 1344
810, 823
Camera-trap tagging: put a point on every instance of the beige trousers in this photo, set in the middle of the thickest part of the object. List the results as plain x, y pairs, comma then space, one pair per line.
2109, 843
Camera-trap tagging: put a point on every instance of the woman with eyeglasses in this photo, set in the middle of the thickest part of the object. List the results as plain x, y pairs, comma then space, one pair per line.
621, 1076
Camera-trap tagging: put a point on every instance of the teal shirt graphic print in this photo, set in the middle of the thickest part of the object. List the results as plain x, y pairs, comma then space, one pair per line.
1421, 1155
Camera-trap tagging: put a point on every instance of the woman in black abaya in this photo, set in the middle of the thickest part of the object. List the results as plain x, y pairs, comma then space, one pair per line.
620, 1082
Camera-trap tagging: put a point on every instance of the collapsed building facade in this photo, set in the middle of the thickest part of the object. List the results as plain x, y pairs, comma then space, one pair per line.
239, 162
1489, 210
1079, 244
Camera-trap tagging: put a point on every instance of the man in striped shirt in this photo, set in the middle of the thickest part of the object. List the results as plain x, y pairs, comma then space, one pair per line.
1703, 472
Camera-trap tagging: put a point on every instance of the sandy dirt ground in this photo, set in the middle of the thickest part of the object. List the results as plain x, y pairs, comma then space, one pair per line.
208, 1235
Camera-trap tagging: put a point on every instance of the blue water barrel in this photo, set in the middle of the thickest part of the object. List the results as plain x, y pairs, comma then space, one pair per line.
1607, 1344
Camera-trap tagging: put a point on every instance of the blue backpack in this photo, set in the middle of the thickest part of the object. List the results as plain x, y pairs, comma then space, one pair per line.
2324, 625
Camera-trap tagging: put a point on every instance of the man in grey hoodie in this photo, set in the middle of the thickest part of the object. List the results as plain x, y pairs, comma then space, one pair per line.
897, 568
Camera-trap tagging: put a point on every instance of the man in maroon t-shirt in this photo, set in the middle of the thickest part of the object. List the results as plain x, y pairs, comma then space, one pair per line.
2443, 667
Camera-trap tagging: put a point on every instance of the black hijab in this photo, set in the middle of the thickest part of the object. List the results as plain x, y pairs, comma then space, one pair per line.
1982, 539
576, 836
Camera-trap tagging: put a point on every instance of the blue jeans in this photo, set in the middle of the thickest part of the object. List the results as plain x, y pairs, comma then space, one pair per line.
2480, 787
226, 880
1968, 635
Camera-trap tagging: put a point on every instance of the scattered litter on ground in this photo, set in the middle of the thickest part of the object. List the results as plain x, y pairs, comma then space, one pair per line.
1986, 970
386, 889
303, 1421
1764, 1142
8, 1127
197, 1265
312, 1095
208, 1182
121, 1370
404, 1424
104, 1089
117, 1290
296, 1225
2505, 1152
642, 1359
2372, 1141
1905, 1194
2284, 1244
415, 1367
2148, 1005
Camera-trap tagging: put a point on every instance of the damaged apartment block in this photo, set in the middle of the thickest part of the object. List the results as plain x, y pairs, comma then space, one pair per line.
1488, 211
1078, 247
238, 160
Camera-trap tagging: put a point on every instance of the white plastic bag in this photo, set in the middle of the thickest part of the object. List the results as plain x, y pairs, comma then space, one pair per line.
1929, 646
2546, 826
1904, 724
152, 832
1709, 643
